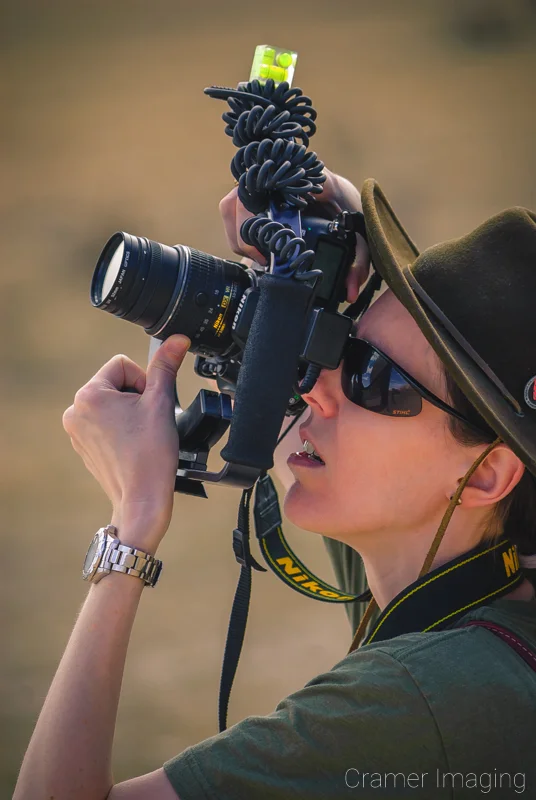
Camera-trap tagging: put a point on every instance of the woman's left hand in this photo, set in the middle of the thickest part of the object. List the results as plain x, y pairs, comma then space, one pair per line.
128, 439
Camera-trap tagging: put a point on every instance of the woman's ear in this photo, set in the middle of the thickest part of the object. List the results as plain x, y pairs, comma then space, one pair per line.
494, 479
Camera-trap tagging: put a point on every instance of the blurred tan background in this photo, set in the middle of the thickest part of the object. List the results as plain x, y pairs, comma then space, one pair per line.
105, 127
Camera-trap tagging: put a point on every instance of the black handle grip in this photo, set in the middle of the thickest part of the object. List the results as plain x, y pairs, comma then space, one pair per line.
268, 371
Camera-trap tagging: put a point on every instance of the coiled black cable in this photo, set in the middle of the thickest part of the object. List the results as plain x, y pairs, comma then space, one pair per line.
269, 236
282, 171
267, 124
271, 126
292, 115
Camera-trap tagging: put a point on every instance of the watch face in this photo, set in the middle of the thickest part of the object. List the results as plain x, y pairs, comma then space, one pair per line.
94, 555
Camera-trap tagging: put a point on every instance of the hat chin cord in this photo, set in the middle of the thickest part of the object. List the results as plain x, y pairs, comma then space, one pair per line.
455, 500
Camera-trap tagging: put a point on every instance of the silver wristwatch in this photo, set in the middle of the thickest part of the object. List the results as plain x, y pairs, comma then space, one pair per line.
106, 554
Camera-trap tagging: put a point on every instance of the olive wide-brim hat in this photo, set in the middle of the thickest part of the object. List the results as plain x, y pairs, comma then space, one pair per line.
474, 299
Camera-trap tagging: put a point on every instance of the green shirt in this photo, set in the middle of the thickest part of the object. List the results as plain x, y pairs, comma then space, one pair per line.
447, 714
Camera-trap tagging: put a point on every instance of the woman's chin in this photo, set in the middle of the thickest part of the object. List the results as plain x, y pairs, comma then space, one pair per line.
304, 508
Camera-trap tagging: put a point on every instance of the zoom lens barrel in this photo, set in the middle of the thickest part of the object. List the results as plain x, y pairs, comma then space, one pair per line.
170, 290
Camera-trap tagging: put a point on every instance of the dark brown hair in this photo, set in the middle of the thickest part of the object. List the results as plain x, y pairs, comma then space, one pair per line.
515, 514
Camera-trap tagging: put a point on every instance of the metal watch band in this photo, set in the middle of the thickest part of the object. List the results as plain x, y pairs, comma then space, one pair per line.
132, 561
106, 554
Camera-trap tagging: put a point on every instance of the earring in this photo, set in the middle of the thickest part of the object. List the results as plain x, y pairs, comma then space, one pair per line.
453, 493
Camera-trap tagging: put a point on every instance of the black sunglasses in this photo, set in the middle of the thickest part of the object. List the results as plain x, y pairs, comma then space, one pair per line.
372, 380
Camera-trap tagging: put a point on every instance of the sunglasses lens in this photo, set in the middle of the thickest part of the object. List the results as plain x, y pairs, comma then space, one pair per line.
369, 380
404, 400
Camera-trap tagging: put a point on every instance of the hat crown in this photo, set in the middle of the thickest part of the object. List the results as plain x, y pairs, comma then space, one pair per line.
474, 300
485, 285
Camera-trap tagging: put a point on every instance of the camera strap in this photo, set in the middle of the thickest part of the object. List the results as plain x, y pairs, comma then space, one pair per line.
440, 598
517, 644
435, 601
279, 555
282, 560
240, 609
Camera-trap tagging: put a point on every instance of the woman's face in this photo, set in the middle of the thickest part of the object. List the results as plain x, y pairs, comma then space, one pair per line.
380, 473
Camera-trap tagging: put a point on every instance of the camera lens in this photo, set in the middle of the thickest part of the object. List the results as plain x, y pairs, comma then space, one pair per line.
112, 270
170, 290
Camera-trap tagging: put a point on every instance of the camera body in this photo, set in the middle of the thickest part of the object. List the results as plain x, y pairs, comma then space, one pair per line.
333, 242
262, 333
169, 290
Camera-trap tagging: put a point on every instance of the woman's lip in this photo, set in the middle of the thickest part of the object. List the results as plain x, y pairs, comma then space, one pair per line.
303, 460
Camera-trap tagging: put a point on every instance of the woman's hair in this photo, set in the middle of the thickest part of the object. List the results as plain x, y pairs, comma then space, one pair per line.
515, 514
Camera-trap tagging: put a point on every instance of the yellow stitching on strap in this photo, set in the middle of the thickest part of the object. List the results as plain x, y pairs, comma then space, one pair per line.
506, 585
430, 580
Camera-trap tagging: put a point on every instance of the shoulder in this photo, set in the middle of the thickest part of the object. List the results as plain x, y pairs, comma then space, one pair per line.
467, 665
414, 668
429, 700
421, 699
516, 616
367, 708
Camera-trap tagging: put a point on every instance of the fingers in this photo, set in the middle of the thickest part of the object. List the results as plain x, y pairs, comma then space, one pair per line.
362, 258
121, 373
234, 215
338, 194
67, 421
345, 193
329, 196
164, 365
352, 285
228, 215
242, 214
359, 270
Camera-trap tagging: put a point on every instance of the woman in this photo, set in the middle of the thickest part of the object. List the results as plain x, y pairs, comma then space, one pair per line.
409, 473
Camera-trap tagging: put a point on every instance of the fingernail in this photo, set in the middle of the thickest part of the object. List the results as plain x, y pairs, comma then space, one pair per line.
179, 344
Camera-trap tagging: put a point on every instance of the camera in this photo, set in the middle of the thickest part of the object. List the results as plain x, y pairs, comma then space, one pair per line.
264, 333
168, 290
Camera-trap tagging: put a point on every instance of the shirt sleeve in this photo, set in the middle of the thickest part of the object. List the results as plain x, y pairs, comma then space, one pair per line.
365, 716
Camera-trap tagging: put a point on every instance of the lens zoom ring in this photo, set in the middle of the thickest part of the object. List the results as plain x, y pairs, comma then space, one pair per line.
201, 272
204, 266
156, 255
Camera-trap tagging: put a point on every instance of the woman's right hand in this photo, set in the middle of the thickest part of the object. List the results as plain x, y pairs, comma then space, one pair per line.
338, 195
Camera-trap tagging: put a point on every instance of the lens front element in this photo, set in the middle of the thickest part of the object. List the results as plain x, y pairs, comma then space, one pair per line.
112, 271
169, 290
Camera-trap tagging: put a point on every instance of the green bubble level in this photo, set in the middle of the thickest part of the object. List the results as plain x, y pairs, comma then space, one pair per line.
273, 62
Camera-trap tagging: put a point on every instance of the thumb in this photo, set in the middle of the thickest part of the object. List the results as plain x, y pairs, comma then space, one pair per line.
164, 365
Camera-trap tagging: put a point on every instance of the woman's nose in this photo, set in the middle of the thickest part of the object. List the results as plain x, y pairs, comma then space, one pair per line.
326, 394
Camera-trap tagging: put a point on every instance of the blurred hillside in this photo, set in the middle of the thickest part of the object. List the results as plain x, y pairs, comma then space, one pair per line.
105, 127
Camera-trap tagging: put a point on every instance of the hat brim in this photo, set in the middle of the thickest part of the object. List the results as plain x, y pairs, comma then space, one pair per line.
392, 251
